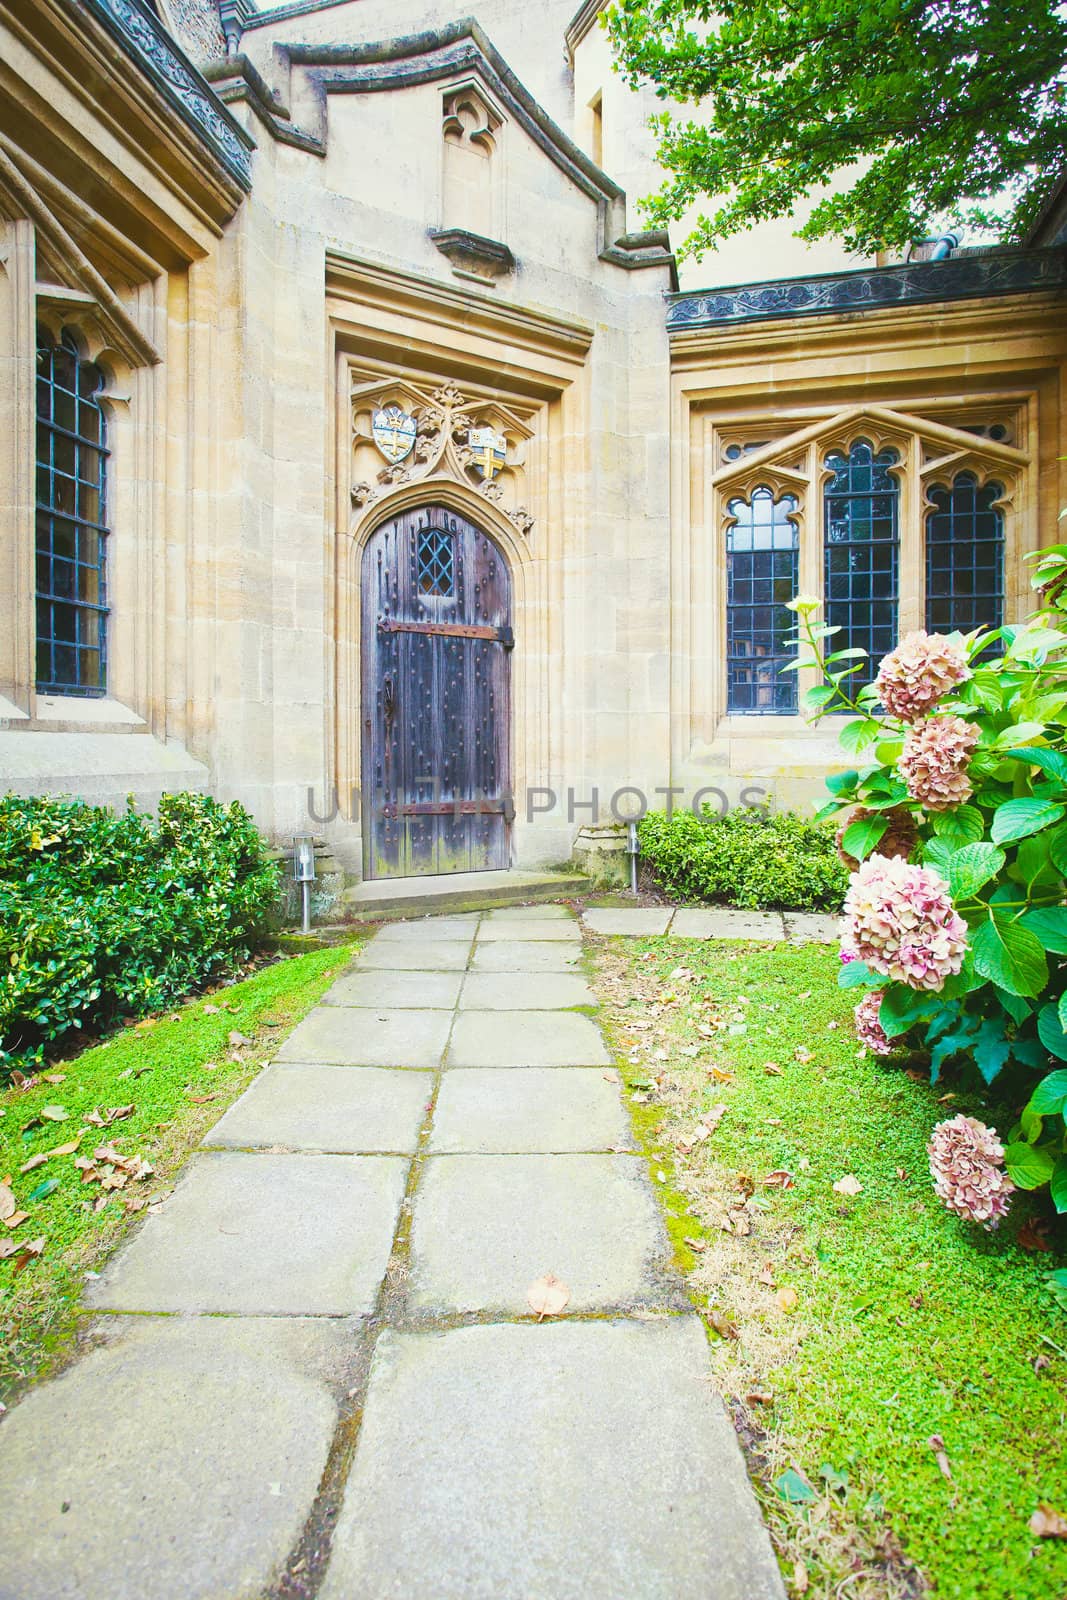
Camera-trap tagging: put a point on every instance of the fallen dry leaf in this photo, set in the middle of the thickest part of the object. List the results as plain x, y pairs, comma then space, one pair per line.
724, 1326
54, 1113
780, 1179
104, 1119
54, 1077
1034, 1235
1047, 1523
801, 1581
34, 1161
7, 1248
698, 1245
767, 1276
547, 1296
237, 1039
802, 1053
787, 1298
720, 1075
937, 1445
772, 1069
16, 1219
211, 1010
7, 1201
27, 1253
760, 1397
849, 1185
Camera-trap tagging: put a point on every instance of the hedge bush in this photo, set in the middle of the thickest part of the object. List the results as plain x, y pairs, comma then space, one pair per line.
105, 915
748, 858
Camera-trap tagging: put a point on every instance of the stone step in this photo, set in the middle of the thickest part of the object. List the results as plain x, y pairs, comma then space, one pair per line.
374, 900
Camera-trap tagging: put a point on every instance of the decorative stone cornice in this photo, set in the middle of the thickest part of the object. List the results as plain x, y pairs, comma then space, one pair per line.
581, 24
155, 54
919, 283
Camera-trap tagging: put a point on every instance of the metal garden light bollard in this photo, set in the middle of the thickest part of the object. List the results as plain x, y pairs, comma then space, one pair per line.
304, 874
632, 850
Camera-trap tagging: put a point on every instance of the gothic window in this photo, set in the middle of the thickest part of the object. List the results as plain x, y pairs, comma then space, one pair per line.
861, 544
435, 567
71, 520
964, 556
762, 568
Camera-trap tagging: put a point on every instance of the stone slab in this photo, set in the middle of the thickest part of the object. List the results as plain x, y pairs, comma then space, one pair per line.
646, 921
544, 1109
533, 913
406, 991
517, 955
348, 1109
807, 927
484, 1227
529, 929
698, 922
345, 1036
422, 955
433, 929
178, 1458
269, 1234
525, 991
585, 1461
526, 1039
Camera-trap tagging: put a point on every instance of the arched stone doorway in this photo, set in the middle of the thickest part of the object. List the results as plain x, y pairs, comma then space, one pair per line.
436, 697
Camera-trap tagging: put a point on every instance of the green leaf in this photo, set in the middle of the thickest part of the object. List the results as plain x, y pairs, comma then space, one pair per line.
938, 853
1011, 956
1051, 1033
959, 1042
860, 838
794, 1489
1058, 1185
1049, 925
902, 1008
1014, 819
855, 975
1050, 1095
1054, 762
1062, 1008
991, 1049
856, 736
43, 1190
1028, 1166
1057, 850
838, 782
1032, 857
1014, 1005
971, 867
963, 825
1057, 1282
889, 752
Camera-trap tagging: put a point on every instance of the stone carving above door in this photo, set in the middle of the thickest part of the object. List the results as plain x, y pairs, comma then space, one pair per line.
450, 431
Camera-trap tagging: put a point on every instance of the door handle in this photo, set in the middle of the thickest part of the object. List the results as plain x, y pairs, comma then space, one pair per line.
388, 700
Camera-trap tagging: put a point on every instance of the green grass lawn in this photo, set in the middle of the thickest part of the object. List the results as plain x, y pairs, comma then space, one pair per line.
853, 1330
179, 1073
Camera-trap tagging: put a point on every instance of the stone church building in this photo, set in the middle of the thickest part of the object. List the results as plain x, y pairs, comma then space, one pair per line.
357, 443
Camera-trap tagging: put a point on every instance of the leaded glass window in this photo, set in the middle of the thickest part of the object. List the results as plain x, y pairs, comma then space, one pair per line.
861, 510
964, 556
71, 521
435, 563
762, 569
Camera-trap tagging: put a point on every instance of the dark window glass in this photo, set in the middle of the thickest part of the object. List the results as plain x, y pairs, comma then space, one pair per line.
435, 563
861, 514
762, 568
71, 527
964, 556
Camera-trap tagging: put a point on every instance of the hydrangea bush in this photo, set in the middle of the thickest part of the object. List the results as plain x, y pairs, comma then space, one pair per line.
953, 822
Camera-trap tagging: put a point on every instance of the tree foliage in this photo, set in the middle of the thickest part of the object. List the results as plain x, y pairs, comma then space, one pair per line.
924, 112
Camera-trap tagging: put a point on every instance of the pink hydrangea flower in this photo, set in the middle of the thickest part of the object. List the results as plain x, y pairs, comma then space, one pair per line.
899, 838
967, 1166
869, 1030
900, 920
922, 668
934, 762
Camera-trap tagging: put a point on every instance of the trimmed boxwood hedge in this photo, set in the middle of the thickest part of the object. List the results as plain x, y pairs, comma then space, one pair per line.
105, 915
748, 858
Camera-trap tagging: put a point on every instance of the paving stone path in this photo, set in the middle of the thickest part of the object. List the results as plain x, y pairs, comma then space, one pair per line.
315, 1370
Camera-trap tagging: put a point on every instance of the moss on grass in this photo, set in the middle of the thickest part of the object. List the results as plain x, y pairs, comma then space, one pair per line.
179, 1074
909, 1323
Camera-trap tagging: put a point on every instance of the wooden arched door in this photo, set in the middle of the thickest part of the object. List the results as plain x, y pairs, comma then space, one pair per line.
436, 666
